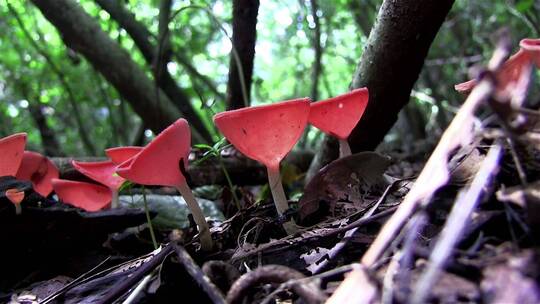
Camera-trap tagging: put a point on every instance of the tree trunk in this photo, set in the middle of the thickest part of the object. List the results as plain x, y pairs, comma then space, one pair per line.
244, 26
84, 35
391, 62
48, 137
390, 65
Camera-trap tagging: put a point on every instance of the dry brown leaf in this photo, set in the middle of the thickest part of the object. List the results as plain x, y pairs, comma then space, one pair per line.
347, 179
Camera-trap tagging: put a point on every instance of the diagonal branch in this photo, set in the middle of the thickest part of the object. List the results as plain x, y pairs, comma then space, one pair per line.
84, 35
143, 40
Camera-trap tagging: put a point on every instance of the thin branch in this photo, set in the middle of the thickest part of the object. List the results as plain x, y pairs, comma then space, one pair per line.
141, 37
457, 220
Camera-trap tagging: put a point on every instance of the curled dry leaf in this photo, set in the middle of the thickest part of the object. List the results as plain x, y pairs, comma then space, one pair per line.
344, 179
467, 167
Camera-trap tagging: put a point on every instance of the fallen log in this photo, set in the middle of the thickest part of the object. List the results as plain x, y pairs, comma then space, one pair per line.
242, 171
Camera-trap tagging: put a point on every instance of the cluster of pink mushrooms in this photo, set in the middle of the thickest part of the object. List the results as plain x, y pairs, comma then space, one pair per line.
264, 133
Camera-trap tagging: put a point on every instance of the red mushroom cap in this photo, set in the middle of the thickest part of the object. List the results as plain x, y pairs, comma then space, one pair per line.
339, 115
103, 172
265, 133
39, 170
510, 75
465, 87
159, 162
15, 195
89, 197
11, 153
532, 47
119, 155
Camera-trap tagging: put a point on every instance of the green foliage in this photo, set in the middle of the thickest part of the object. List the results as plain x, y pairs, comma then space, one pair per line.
283, 63
215, 151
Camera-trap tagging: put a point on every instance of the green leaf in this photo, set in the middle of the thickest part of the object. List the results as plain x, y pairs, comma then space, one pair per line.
524, 5
203, 146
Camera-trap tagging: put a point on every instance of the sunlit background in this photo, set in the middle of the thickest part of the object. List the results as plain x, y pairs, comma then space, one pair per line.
34, 60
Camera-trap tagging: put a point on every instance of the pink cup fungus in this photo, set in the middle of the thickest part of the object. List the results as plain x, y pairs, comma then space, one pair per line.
509, 77
267, 133
39, 170
15, 196
339, 115
532, 47
119, 155
103, 172
87, 196
11, 151
160, 164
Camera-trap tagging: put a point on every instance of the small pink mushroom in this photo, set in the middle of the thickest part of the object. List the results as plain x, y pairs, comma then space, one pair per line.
11, 153
160, 163
532, 47
87, 196
119, 155
15, 196
103, 172
509, 77
339, 115
39, 170
266, 134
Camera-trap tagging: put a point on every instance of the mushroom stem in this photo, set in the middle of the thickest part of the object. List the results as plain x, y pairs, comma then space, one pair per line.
114, 200
344, 148
204, 232
280, 200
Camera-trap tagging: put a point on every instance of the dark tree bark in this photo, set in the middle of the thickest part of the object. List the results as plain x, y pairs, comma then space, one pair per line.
391, 62
390, 65
244, 26
143, 40
48, 137
84, 35
163, 49
317, 47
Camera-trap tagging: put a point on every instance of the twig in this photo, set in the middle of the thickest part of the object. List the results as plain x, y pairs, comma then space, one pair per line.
517, 162
133, 295
457, 220
213, 293
402, 260
334, 251
73, 283
119, 289
274, 274
299, 237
